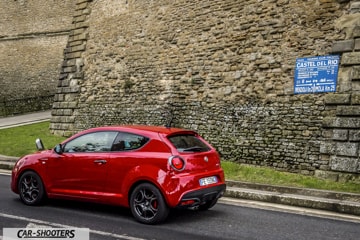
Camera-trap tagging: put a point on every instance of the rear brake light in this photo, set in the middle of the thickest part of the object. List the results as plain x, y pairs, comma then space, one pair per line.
177, 163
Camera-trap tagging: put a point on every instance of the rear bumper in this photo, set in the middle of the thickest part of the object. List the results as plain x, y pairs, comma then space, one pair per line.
199, 197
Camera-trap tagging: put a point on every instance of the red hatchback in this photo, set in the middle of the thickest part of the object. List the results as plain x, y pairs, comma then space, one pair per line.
149, 169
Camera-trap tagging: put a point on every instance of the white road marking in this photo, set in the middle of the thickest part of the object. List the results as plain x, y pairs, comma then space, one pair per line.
41, 223
289, 209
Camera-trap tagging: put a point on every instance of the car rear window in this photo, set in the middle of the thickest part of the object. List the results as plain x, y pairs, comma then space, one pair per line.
188, 143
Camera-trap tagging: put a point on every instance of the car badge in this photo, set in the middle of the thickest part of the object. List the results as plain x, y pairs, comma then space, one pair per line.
206, 159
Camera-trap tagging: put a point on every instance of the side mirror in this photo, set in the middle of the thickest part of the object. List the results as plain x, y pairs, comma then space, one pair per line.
39, 144
58, 149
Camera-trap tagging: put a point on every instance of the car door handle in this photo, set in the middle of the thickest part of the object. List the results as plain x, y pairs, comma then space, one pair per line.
100, 161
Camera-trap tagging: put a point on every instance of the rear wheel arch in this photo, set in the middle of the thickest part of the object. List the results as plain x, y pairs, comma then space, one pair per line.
137, 183
137, 176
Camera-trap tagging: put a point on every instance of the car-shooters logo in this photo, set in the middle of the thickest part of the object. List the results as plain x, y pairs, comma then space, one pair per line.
46, 233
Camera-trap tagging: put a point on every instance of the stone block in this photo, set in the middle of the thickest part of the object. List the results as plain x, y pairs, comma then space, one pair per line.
347, 23
78, 48
349, 177
352, 122
350, 149
355, 85
355, 75
343, 46
77, 31
350, 58
326, 175
81, 6
348, 110
59, 97
354, 6
340, 134
327, 148
83, 36
355, 98
357, 44
73, 55
75, 43
327, 133
344, 164
344, 79
81, 25
354, 135
80, 18
342, 122
356, 32
68, 69
335, 98
328, 122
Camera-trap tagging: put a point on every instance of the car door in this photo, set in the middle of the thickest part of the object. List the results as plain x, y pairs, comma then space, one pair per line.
124, 160
81, 169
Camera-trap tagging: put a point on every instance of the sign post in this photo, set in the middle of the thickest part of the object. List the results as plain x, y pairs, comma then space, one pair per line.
316, 74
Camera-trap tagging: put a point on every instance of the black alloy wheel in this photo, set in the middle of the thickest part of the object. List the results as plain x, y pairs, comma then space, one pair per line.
148, 205
31, 188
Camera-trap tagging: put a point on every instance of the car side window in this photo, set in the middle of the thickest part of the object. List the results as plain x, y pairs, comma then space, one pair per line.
128, 141
92, 142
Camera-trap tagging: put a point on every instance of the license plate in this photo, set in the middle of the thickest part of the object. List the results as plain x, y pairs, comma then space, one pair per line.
208, 180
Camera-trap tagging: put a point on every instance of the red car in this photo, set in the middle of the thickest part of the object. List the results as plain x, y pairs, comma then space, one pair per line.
149, 169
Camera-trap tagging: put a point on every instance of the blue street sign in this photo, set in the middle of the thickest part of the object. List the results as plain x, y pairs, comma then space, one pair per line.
316, 74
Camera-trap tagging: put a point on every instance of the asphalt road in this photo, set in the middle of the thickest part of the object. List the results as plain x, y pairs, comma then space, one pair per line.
224, 221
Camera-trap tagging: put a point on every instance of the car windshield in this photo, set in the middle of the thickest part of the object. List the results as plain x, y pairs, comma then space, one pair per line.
188, 143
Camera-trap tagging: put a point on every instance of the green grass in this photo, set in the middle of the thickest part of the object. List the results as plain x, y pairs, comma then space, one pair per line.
19, 141
266, 175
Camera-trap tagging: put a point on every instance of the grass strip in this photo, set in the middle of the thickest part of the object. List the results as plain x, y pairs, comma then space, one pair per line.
267, 175
18, 141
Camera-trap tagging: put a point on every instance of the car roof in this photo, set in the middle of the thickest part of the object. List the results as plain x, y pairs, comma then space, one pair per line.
142, 128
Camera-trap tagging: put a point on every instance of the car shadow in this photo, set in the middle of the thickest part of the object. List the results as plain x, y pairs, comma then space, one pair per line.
95, 208
176, 215
187, 216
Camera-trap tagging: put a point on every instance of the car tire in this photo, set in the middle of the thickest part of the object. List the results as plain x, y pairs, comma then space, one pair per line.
31, 189
148, 205
207, 205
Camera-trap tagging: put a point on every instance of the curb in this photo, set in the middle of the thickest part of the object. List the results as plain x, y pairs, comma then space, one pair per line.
348, 203
7, 163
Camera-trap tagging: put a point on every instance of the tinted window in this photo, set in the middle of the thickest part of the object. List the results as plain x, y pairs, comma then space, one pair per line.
91, 142
128, 141
188, 143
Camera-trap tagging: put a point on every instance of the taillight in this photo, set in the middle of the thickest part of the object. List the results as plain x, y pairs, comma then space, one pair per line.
177, 163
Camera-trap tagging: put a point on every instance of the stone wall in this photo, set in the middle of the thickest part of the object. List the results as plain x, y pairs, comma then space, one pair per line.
223, 68
32, 39
342, 126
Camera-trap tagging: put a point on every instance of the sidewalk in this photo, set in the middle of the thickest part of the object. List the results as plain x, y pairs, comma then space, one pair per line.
337, 202
14, 121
